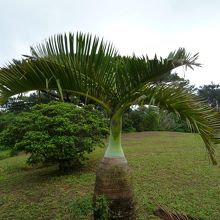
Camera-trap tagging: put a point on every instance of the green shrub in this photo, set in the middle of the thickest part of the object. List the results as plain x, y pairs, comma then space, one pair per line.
151, 118
82, 207
56, 133
6, 118
171, 122
101, 208
141, 119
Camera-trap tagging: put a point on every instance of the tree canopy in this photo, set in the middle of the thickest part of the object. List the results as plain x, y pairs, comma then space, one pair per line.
211, 93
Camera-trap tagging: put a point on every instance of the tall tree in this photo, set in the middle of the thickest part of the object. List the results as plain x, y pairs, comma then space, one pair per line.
84, 65
211, 93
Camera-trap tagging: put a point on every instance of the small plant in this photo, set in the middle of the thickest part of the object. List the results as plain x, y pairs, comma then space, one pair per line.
101, 208
82, 207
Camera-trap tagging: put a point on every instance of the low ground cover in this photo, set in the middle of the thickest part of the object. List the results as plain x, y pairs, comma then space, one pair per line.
169, 169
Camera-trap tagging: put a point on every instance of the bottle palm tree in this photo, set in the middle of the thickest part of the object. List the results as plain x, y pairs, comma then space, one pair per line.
87, 66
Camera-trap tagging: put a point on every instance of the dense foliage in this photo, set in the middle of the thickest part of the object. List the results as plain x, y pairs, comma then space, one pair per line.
24, 102
56, 132
6, 118
211, 93
151, 118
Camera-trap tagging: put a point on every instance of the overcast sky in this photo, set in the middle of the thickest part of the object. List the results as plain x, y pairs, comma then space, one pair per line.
134, 26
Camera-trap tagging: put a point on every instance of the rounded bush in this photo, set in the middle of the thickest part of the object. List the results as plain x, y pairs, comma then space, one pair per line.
57, 133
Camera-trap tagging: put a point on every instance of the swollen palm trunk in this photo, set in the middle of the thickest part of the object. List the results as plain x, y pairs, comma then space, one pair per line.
114, 183
113, 179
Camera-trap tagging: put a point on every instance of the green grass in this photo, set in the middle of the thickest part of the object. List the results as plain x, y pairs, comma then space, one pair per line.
4, 154
169, 169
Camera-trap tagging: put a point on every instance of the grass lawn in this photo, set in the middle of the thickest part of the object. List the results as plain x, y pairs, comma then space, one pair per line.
169, 169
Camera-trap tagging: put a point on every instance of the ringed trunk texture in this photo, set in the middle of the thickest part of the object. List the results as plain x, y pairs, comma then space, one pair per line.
113, 181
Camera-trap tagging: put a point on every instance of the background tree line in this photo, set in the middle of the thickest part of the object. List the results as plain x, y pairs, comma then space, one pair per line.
136, 118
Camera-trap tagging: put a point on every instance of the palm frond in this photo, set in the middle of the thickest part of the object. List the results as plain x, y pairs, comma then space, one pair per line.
181, 58
41, 74
81, 64
134, 72
83, 54
88, 66
199, 116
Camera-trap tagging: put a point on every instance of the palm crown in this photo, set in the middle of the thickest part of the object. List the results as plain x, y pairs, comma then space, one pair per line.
85, 65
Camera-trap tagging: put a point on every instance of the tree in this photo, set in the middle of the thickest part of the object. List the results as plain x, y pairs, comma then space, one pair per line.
24, 102
84, 65
168, 121
151, 118
6, 118
145, 118
211, 93
58, 133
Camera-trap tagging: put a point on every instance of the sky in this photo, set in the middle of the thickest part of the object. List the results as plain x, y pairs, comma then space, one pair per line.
143, 27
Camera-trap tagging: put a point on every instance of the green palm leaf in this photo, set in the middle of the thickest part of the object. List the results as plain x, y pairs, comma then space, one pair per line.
198, 115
